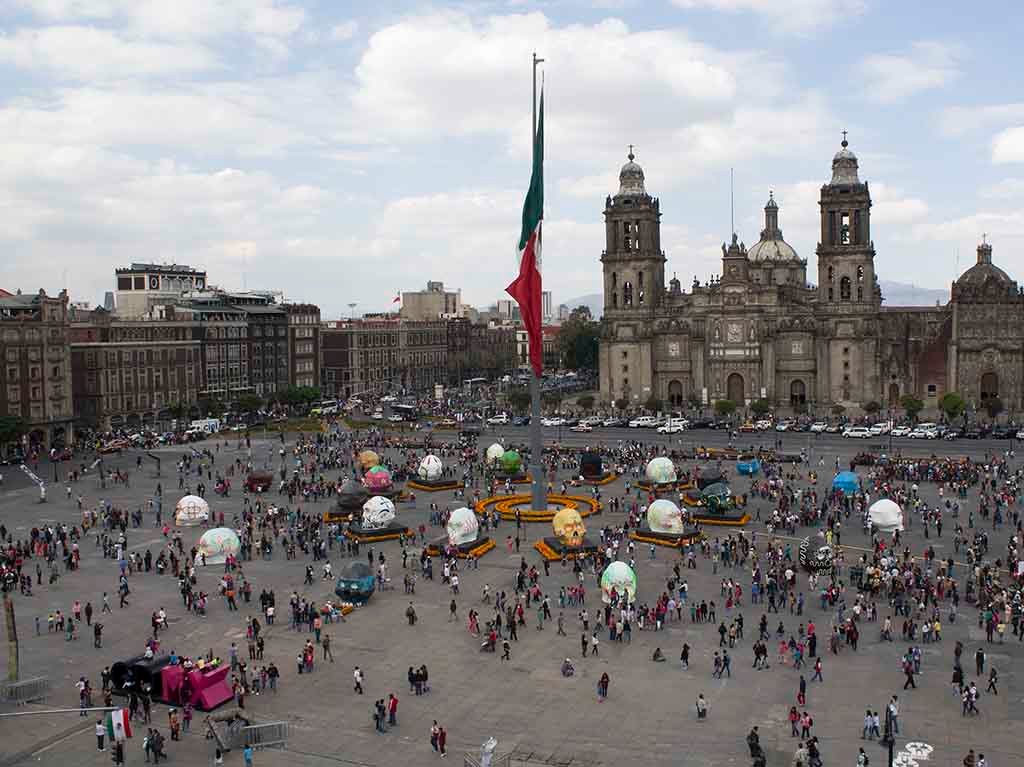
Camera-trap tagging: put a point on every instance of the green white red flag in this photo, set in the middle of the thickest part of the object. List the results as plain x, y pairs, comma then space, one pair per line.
526, 288
119, 725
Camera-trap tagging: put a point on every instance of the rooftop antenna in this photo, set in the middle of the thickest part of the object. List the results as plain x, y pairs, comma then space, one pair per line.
732, 204
352, 310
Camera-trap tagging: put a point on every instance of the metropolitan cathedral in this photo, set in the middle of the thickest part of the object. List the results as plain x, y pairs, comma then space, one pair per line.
760, 330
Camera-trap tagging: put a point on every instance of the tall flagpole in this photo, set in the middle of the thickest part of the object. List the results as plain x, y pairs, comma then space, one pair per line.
540, 498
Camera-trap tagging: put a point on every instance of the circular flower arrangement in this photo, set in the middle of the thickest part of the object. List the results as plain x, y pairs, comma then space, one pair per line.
508, 505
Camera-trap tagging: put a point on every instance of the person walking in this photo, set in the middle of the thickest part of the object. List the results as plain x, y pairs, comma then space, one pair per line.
247, 756
435, 731
506, 650
357, 678
602, 687
993, 678
100, 732
442, 739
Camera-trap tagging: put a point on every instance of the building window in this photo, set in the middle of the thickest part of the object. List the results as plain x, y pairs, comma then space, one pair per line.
831, 295
860, 293
932, 389
627, 293
844, 289
831, 275
844, 229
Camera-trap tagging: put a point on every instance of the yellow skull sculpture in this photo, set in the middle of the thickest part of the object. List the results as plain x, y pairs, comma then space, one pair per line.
569, 527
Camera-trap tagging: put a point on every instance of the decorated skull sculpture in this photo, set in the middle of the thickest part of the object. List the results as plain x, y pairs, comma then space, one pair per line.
816, 557
377, 479
430, 468
462, 527
511, 462
368, 459
661, 471
378, 513
494, 453
663, 516
568, 526
620, 578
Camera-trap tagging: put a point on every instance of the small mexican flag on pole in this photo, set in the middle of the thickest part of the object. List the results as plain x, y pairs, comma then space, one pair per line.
119, 725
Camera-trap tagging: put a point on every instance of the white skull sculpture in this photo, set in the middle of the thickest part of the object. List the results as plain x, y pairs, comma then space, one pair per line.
462, 527
430, 468
378, 513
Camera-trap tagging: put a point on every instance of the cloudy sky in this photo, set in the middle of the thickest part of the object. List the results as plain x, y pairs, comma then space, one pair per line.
343, 153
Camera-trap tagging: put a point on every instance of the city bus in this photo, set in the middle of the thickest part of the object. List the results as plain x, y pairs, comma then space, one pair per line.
407, 412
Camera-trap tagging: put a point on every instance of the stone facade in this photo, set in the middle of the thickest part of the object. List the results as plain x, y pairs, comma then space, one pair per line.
761, 331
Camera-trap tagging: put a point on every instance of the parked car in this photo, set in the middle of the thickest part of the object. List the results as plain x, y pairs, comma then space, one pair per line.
763, 425
552, 421
673, 426
925, 431
857, 432
643, 422
783, 425
1002, 432
613, 422
953, 433
1020, 434
499, 420
833, 429
521, 420
818, 427
582, 428
592, 420
900, 431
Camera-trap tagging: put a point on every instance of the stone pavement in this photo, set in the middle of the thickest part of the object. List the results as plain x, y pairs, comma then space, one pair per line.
526, 704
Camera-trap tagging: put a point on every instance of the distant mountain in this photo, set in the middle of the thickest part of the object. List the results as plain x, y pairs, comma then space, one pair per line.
593, 301
903, 294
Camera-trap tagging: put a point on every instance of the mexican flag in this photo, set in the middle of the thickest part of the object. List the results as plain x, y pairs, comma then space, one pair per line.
119, 725
526, 289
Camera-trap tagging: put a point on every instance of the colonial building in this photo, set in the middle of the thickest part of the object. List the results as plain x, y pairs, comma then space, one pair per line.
134, 372
36, 367
761, 331
303, 344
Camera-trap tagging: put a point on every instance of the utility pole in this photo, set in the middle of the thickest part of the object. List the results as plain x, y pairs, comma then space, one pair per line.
12, 639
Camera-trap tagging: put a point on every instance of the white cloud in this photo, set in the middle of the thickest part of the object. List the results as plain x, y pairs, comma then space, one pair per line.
1008, 146
786, 16
344, 31
958, 121
929, 64
1007, 189
91, 54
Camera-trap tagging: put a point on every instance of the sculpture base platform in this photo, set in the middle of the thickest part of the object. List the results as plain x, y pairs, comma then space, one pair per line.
672, 540
552, 548
473, 549
433, 486
604, 479
731, 518
392, 532
660, 488
519, 478
354, 593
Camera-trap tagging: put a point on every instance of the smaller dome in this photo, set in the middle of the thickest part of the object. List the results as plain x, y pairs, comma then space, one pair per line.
844, 165
631, 177
772, 250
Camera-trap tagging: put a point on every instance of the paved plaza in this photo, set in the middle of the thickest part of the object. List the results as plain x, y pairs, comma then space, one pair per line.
526, 703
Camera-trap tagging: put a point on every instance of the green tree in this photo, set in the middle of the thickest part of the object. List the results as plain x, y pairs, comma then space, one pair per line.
871, 407
586, 401
578, 341
912, 405
993, 406
11, 428
248, 403
952, 404
519, 399
653, 404
760, 407
725, 407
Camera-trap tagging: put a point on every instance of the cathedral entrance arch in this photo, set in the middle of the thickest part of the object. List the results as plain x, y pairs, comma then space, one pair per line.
735, 389
894, 394
989, 386
797, 393
675, 393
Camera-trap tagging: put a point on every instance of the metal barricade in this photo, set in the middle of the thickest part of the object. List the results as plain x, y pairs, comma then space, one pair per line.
25, 690
268, 735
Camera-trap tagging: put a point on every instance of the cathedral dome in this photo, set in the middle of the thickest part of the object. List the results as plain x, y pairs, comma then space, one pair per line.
984, 272
771, 246
844, 165
631, 177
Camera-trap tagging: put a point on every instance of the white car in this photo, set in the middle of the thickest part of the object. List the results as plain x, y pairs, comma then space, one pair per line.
1020, 434
499, 420
879, 429
925, 431
552, 421
673, 426
592, 420
395, 418
818, 427
388, 398
857, 432
900, 431
584, 428
763, 425
643, 422
783, 426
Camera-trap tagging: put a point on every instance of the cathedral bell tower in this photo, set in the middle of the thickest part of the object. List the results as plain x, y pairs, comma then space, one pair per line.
846, 253
633, 262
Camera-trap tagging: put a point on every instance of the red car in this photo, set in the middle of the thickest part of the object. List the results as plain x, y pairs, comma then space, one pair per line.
259, 481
